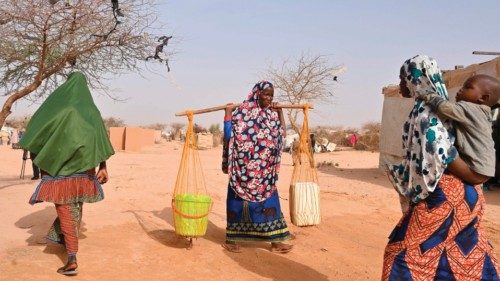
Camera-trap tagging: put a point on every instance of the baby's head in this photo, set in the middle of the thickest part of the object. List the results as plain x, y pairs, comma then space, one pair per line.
480, 89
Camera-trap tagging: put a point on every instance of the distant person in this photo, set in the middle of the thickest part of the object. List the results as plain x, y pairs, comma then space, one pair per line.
313, 142
496, 138
69, 138
36, 170
353, 139
14, 138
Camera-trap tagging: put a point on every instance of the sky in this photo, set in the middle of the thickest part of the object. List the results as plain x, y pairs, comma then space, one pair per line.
222, 47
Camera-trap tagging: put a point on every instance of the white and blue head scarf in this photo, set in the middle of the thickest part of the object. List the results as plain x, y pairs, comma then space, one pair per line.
427, 140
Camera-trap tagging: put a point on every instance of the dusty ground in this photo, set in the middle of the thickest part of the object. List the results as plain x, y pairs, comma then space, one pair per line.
129, 235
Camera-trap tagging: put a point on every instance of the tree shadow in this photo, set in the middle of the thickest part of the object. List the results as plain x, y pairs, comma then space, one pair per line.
9, 182
368, 175
265, 265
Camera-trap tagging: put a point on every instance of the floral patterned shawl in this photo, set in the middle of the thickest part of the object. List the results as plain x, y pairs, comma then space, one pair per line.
255, 148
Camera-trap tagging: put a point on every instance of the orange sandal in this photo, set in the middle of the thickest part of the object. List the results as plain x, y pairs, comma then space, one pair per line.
281, 248
70, 269
231, 247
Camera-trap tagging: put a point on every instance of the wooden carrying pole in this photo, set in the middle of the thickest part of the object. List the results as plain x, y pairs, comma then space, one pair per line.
223, 107
486, 53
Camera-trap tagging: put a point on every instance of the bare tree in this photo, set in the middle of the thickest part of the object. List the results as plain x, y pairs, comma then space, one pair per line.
156, 126
369, 138
372, 127
41, 43
197, 128
19, 122
307, 79
113, 122
176, 127
215, 129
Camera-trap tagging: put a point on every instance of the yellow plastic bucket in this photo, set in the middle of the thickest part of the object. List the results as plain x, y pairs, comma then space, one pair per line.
191, 214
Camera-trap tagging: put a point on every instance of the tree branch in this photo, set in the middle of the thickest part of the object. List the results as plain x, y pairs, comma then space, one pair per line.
40, 44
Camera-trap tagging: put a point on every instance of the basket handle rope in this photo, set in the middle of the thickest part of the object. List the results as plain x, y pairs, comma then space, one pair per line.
177, 211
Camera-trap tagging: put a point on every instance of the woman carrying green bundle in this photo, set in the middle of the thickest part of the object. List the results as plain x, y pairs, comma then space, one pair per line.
70, 140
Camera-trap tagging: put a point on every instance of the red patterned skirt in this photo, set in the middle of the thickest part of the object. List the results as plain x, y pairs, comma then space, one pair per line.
68, 193
77, 188
441, 238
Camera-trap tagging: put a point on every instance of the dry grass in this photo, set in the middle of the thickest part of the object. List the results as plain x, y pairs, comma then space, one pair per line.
368, 135
337, 135
369, 139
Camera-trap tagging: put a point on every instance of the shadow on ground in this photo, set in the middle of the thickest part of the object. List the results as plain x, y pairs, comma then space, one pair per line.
368, 175
10, 182
256, 256
38, 224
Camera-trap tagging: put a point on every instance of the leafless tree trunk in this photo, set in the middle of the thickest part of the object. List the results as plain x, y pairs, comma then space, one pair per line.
41, 43
308, 79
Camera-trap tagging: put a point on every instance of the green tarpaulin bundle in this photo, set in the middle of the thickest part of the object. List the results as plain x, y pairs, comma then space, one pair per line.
67, 132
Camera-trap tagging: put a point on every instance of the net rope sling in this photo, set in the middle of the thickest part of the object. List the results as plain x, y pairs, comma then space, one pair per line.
191, 202
304, 188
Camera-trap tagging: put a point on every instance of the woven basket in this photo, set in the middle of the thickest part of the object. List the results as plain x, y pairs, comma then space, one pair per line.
304, 204
191, 214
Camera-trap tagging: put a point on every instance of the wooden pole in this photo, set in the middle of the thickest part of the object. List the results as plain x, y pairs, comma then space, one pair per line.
486, 53
223, 107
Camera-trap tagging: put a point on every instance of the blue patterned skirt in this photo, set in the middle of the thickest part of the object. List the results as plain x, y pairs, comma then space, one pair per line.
255, 221
442, 238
